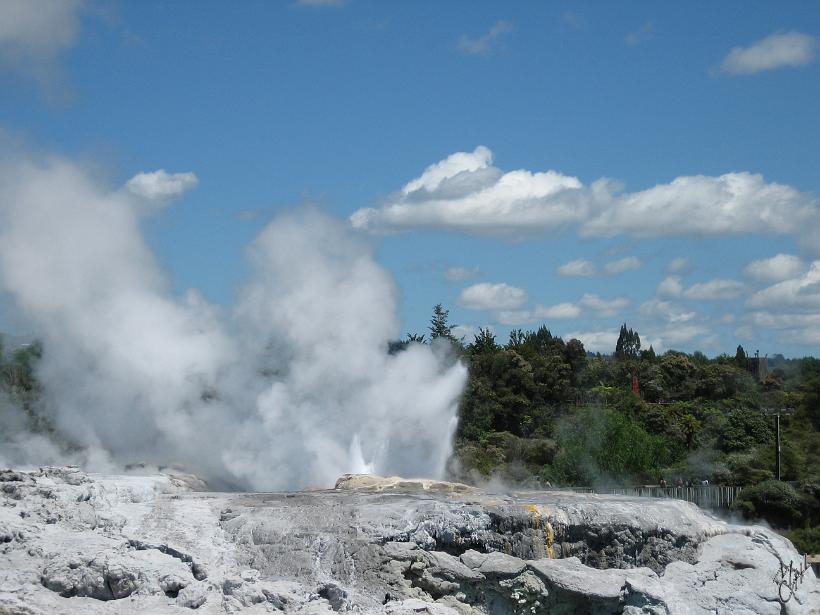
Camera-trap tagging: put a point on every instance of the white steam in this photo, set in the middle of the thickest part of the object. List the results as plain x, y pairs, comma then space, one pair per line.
291, 389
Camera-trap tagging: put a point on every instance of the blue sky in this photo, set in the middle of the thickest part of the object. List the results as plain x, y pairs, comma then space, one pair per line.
683, 142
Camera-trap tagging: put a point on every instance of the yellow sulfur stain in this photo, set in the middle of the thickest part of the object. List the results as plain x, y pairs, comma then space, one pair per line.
542, 523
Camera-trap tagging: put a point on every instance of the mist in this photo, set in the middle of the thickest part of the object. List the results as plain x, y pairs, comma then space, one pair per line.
288, 388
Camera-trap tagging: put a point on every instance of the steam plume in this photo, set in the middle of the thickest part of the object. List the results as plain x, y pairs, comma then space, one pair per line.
291, 388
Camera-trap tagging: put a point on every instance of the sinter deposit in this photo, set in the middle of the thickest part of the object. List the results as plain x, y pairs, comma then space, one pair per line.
83, 543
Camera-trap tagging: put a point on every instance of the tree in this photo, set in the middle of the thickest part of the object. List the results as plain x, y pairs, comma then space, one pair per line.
628, 345
740, 357
438, 324
648, 355
484, 342
517, 339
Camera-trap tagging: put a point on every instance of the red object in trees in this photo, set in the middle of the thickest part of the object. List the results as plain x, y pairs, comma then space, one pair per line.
636, 390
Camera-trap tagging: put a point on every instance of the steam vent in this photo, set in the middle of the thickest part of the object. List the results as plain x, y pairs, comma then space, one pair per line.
81, 543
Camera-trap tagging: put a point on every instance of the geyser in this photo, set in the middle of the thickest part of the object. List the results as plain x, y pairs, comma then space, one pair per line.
291, 387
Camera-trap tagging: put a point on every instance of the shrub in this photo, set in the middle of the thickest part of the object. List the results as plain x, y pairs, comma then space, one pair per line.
777, 502
807, 540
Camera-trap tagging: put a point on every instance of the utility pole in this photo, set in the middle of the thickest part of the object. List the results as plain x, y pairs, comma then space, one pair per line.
776, 412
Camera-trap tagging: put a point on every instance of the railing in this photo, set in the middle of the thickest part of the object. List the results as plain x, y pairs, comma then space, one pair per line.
705, 496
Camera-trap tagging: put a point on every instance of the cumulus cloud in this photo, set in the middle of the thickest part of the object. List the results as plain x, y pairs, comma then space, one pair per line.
466, 193
34, 34
602, 341
678, 265
255, 398
487, 296
467, 332
580, 267
559, 311
715, 290
670, 286
799, 293
711, 290
624, 264
775, 269
673, 336
778, 50
665, 311
461, 274
730, 204
800, 329
485, 44
161, 186
603, 307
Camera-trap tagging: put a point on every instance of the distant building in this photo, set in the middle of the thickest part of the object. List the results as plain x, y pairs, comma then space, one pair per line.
758, 367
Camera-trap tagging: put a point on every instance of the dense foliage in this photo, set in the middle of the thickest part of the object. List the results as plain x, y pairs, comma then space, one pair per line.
538, 408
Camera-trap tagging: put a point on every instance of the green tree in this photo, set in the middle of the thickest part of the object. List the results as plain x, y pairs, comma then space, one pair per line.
740, 357
628, 345
484, 342
439, 327
648, 355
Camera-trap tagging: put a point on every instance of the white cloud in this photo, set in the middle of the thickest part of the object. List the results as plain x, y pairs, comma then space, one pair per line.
159, 186
715, 290
453, 165
678, 265
483, 45
595, 341
664, 310
559, 311
487, 296
801, 329
731, 204
461, 274
672, 336
603, 307
34, 33
466, 193
799, 293
624, 264
467, 332
580, 267
778, 50
670, 287
775, 269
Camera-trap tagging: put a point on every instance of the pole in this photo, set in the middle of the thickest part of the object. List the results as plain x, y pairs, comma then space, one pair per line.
777, 450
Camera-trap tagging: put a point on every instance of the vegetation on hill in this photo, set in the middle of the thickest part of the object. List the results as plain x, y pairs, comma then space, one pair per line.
541, 409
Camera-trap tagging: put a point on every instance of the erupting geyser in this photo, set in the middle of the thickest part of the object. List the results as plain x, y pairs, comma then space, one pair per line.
292, 388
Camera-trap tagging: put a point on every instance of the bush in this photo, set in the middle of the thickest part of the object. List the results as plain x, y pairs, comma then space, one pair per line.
776, 502
807, 540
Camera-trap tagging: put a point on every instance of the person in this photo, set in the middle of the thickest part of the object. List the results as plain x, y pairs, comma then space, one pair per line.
662, 483
705, 482
679, 482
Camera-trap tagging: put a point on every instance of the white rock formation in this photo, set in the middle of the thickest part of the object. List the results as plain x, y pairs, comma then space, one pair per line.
77, 543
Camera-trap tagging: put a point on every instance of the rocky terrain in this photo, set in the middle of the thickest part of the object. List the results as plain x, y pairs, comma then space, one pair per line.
72, 542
